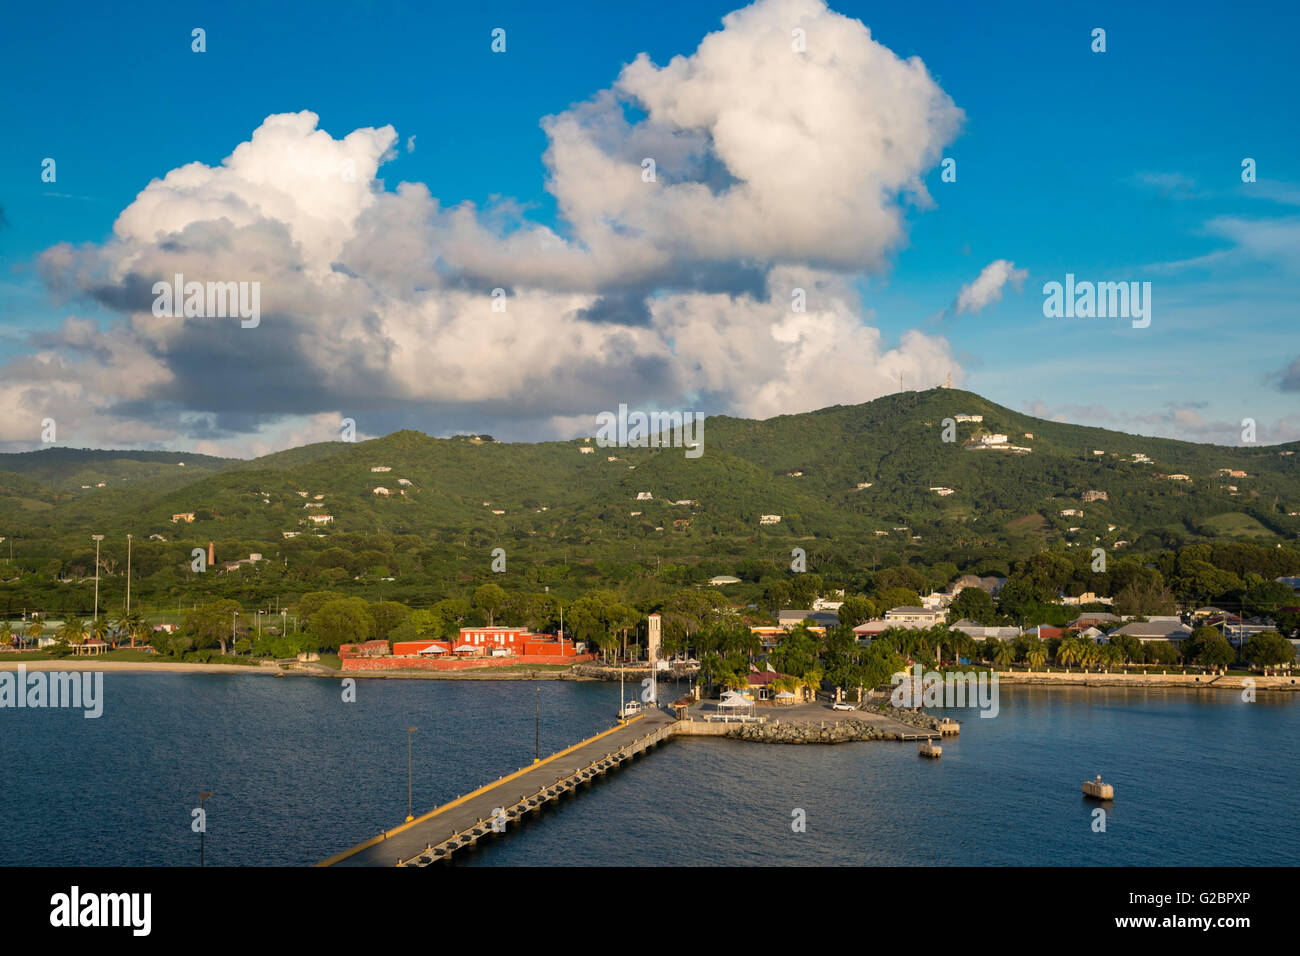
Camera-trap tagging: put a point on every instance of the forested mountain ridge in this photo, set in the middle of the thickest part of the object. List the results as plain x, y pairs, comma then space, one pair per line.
853, 485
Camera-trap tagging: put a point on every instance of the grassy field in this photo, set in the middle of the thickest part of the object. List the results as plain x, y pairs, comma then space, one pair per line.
1234, 524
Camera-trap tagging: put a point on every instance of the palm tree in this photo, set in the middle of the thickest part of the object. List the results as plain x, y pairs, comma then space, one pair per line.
1037, 655
35, 630
1069, 652
1004, 655
128, 625
73, 631
100, 629
1088, 654
7, 635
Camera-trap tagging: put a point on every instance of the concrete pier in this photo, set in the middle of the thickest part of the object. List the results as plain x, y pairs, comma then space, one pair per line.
439, 834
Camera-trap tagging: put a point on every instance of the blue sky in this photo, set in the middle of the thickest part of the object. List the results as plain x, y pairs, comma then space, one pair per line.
1119, 166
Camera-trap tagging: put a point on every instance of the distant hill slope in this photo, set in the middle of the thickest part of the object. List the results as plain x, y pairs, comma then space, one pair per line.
806, 468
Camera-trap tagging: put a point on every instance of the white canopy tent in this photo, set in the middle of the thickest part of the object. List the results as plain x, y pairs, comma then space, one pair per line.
733, 701
434, 649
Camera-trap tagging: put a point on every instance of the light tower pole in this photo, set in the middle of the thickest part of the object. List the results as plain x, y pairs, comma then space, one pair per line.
98, 538
128, 574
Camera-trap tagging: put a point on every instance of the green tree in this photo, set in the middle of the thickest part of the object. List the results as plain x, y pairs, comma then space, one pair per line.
1128, 646
898, 597
1003, 655
100, 629
796, 654
1036, 655
973, 604
1215, 651
1268, 649
490, 599
388, 615
1160, 652
73, 631
804, 587
776, 595
857, 609
1145, 594
1268, 598
313, 601
1070, 652
212, 624
343, 621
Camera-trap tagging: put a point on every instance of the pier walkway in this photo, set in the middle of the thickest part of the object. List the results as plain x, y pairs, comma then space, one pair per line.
438, 834
435, 837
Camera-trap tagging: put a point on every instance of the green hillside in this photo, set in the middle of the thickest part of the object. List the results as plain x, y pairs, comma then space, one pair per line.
569, 517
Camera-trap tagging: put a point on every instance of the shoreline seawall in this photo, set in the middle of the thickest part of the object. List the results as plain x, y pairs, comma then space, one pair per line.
1289, 683
1283, 683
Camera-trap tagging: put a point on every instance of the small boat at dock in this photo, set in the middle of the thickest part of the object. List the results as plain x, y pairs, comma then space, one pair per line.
1098, 790
628, 708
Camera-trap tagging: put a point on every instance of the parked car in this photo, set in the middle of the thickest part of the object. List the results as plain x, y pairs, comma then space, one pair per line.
843, 705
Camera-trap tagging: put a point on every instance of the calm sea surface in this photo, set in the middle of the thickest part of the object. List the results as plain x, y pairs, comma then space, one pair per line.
297, 775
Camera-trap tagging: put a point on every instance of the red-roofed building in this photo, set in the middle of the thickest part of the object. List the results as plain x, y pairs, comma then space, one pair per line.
488, 642
1045, 632
760, 683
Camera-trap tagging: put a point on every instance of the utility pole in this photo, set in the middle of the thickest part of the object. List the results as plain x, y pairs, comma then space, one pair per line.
537, 728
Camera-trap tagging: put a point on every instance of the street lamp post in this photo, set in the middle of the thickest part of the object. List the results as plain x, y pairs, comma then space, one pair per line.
409, 815
203, 832
233, 618
98, 538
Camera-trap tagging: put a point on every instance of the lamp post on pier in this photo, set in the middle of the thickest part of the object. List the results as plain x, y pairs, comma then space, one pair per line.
409, 815
204, 829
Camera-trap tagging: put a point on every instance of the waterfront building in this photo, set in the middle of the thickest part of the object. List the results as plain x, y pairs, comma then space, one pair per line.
1159, 628
923, 616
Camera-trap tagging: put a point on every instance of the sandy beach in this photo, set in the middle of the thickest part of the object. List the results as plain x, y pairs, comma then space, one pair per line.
301, 670
173, 667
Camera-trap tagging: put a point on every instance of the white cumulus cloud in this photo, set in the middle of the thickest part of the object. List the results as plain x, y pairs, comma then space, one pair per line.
775, 169
987, 286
